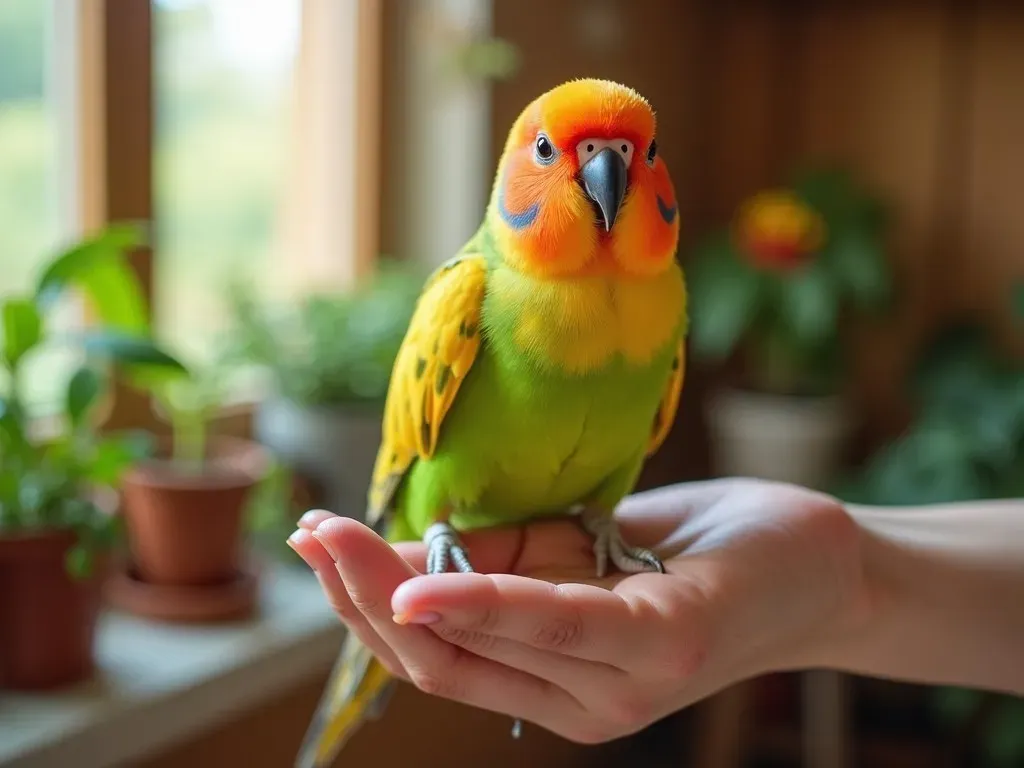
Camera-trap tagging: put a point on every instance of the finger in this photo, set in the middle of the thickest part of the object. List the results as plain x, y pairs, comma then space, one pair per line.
599, 688
702, 493
651, 518
493, 550
311, 519
579, 620
372, 571
414, 553
318, 559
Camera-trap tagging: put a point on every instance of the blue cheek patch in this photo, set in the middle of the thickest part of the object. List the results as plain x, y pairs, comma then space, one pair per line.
667, 213
516, 220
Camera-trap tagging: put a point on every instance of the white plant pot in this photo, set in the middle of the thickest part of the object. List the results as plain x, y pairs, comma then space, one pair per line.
335, 447
797, 440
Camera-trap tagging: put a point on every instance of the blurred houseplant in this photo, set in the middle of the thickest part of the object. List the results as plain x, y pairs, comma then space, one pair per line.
329, 362
57, 500
185, 507
966, 443
771, 292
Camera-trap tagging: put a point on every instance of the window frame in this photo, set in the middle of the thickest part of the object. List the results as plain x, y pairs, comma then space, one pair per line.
115, 142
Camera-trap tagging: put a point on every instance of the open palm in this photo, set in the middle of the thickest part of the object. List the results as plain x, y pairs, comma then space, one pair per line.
753, 569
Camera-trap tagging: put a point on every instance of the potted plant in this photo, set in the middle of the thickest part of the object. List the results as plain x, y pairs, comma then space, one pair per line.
771, 292
329, 363
57, 501
185, 508
966, 443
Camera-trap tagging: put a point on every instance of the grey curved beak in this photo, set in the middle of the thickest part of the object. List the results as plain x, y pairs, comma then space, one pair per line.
604, 180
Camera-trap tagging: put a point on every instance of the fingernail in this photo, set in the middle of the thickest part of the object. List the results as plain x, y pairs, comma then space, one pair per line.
311, 515
326, 543
427, 617
295, 540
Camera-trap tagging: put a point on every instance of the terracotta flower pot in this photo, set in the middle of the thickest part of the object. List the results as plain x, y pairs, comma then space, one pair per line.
186, 529
47, 617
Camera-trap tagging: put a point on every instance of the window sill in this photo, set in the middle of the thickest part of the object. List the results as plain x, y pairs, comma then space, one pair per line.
159, 685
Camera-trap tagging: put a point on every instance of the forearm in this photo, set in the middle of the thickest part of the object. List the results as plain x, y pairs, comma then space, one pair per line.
945, 597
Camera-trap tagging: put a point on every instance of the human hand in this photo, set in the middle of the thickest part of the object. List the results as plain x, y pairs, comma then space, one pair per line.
757, 573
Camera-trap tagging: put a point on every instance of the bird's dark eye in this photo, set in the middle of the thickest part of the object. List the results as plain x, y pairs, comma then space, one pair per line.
652, 152
545, 152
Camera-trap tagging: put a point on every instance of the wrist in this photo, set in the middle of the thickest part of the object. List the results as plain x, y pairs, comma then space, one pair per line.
941, 597
862, 615
863, 597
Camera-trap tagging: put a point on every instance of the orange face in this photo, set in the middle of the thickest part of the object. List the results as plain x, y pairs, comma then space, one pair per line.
581, 190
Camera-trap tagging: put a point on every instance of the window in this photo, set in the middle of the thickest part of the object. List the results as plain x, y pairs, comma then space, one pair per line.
36, 168
223, 73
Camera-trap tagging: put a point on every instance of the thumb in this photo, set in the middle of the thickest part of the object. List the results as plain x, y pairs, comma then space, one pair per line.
648, 518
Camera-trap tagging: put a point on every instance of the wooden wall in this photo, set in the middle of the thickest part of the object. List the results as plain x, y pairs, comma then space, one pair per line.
924, 99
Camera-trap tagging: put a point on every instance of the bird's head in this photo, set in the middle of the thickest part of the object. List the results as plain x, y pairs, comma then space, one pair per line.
581, 189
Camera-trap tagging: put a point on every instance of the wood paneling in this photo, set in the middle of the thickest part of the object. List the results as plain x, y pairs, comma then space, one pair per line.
747, 104
875, 84
992, 253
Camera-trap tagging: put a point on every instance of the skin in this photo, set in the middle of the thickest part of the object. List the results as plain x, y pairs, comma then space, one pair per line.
761, 577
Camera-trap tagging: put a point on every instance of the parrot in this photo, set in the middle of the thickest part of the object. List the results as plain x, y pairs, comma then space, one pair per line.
542, 365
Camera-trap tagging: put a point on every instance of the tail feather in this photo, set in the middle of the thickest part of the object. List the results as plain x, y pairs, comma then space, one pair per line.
358, 689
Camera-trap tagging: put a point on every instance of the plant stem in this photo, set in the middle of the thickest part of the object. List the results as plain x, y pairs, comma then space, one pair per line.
189, 438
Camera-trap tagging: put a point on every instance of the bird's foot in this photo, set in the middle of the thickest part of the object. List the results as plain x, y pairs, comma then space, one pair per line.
609, 545
443, 547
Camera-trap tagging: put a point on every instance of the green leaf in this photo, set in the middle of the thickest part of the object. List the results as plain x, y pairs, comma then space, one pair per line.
808, 304
723, 301
117, 296
99, 267
11, 430
1004, 734
862, 269
15, 448
113, 455
825, 188
929, 465
954, 705
143, 364
23, 329
79, 561
133, 352
952, 370
83, 389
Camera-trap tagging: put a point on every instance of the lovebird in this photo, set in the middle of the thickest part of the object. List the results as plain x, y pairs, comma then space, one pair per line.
542, 365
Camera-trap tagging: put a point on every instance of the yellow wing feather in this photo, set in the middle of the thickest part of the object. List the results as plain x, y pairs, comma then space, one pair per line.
438, 350
666, 414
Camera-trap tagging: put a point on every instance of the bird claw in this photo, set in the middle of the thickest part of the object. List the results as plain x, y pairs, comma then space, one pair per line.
443, 547
609, 545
